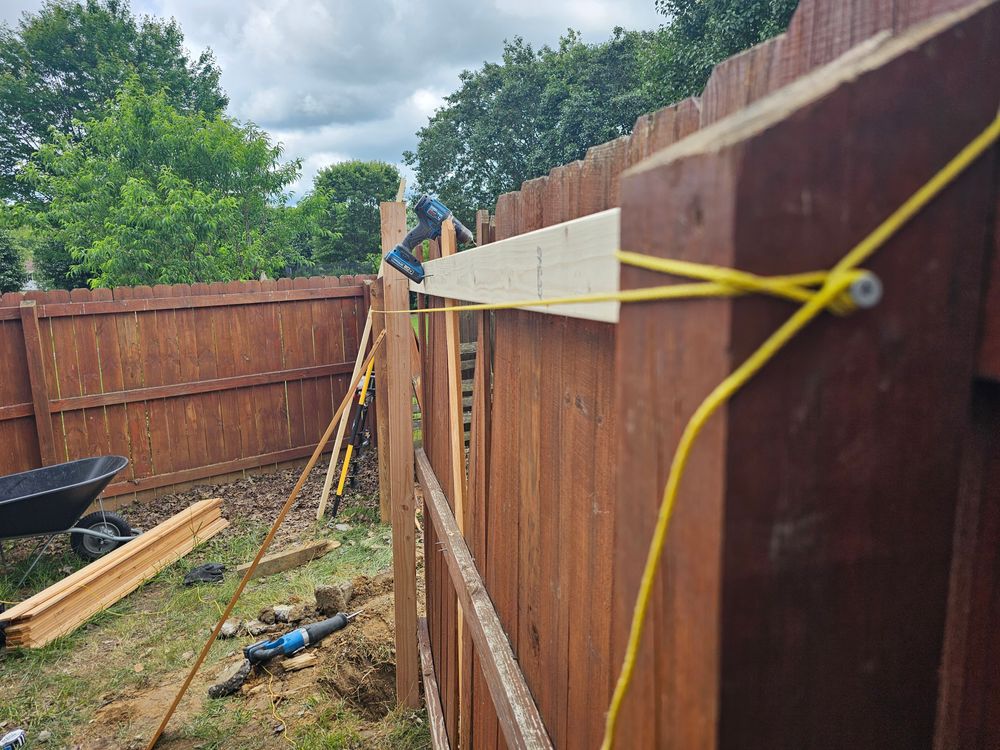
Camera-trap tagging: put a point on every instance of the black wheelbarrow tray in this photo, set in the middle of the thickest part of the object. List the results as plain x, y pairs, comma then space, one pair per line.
52, 500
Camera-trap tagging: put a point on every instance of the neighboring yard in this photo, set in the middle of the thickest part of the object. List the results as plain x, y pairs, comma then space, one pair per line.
106, 686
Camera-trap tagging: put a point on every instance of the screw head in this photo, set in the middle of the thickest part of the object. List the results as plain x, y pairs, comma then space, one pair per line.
866, 290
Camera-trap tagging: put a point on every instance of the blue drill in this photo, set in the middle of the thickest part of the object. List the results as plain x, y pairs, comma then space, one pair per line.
431, 213
298, 639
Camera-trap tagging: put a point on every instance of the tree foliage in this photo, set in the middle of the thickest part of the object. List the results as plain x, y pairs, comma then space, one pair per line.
148, 194
12, 273
536, 109
345, 203
63, 64
703, 33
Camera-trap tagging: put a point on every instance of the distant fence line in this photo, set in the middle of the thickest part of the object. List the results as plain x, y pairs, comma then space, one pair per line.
188, 381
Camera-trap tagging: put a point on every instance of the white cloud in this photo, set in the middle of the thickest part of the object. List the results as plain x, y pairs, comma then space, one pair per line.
339, 79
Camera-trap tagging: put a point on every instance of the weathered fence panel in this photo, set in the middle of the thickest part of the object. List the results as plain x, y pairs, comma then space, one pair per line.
188, 381
803, 595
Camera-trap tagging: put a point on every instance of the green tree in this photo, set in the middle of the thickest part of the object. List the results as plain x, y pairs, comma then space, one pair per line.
12, 273
515, 120
148, 194
345, 205
702, 33
310, 227
63, 64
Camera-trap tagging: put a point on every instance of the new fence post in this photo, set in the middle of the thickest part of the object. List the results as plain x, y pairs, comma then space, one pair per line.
39, 382
399, 410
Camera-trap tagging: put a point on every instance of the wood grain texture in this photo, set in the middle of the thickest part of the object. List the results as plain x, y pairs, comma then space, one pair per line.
459, 477
818, 572
432, 695
381, 413
521, 724
399, 411
38, 382
578, 400
989, 343
183, 379
573, 259
967, 713
67, 604
290, 558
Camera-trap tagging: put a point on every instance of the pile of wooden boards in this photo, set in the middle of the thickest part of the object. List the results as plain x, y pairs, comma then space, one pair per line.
64, 606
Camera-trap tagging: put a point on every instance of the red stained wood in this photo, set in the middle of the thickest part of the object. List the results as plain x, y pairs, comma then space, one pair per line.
968, 715
38, 382
432, 695
143, 372
521, 724
822, 616
206, 296
989, 344
195, 387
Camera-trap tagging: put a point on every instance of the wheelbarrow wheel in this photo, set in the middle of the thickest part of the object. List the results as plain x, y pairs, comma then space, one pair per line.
92, 547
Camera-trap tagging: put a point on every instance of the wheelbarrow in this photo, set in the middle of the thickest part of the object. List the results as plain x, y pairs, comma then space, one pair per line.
51, 500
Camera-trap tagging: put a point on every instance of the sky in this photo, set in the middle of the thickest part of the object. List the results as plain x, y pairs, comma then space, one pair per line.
333, 80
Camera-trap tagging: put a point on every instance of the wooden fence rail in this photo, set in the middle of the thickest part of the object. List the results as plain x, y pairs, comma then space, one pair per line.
812, 592
189, 382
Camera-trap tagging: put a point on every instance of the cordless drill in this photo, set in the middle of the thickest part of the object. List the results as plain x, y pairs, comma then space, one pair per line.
431, 213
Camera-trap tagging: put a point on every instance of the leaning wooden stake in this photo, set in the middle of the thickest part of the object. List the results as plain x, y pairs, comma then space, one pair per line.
338, 441
263, 548
399, 409
456, 432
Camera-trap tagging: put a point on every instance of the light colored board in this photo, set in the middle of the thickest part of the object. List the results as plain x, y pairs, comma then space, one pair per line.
290, 558
569, 259
84, 604
381, 413
63, 607
83, 577
300, 661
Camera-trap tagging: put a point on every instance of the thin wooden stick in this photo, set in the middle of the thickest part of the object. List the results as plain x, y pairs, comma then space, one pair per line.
338, 441
263, 548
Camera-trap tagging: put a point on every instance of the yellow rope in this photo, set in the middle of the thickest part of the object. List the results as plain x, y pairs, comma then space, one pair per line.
715, 281
833, 287
718, 282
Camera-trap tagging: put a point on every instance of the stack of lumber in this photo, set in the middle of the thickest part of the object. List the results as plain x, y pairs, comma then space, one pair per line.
64, 606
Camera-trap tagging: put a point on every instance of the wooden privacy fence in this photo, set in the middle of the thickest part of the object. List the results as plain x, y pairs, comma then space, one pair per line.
829, 579
188, 381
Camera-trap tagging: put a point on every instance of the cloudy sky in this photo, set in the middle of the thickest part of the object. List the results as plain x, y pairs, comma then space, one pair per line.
335, 79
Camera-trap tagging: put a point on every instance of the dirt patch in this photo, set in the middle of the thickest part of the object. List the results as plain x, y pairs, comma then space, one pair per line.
257, 499
356, 664
360, 666
128, 721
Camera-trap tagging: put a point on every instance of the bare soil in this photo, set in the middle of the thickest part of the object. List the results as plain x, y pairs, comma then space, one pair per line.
258, 498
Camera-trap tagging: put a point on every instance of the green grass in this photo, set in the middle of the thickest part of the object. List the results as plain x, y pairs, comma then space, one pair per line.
61, 686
